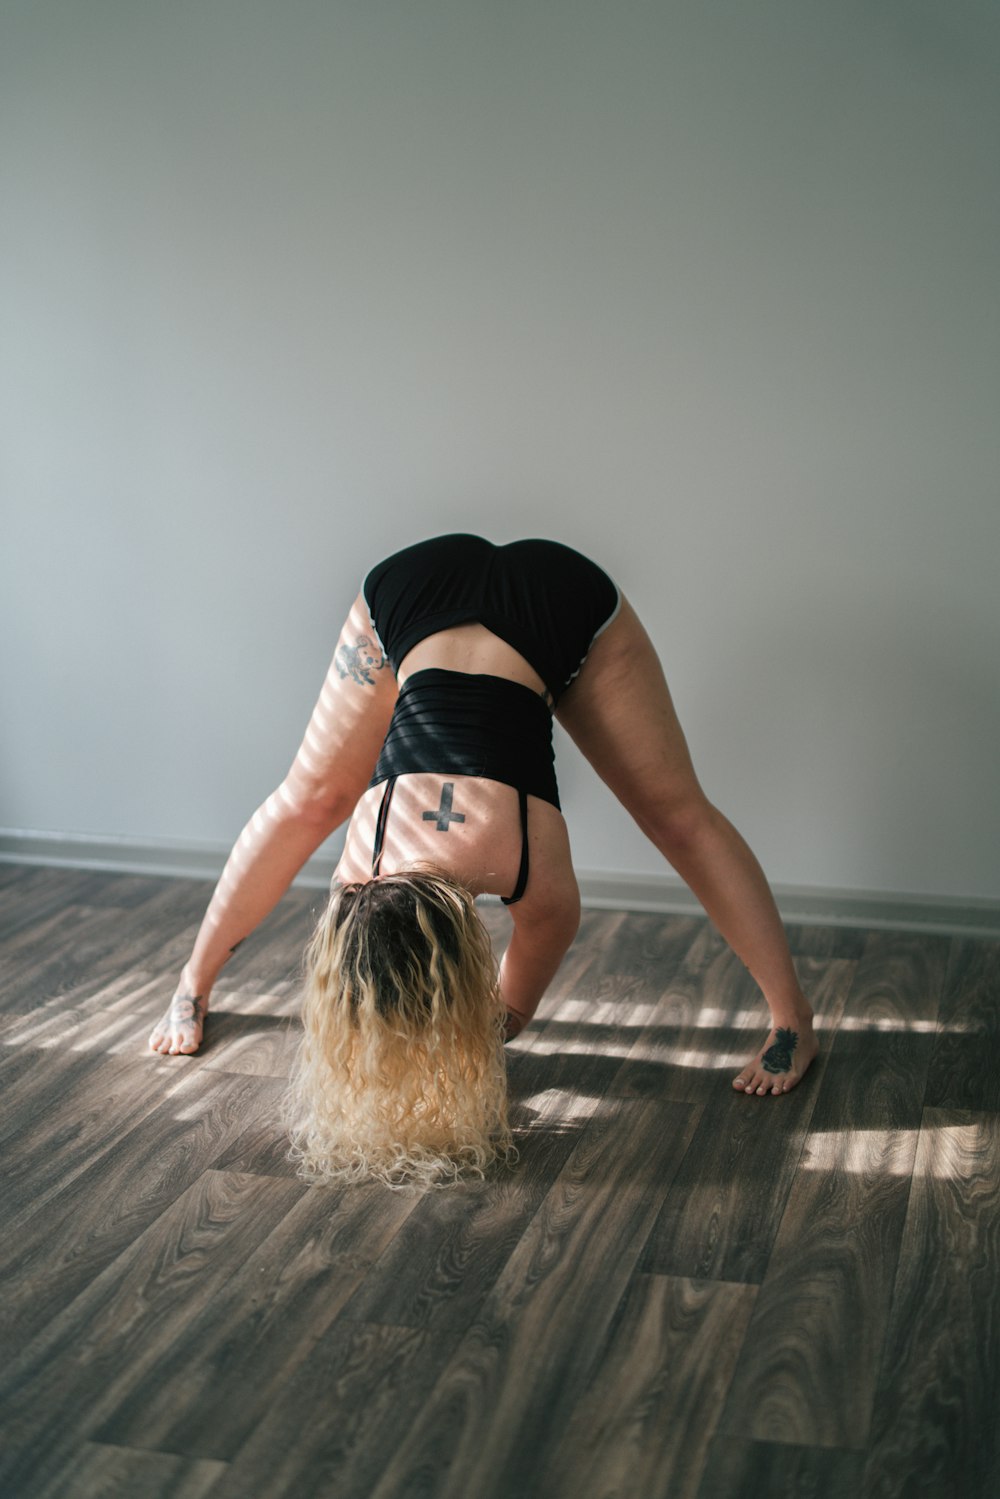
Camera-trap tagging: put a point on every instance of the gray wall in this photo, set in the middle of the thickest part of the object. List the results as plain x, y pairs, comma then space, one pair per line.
707, 289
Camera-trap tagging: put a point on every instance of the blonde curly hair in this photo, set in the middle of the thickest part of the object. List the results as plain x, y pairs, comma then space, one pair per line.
400, 1076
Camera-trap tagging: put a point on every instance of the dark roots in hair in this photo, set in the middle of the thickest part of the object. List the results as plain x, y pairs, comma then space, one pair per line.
401, 1075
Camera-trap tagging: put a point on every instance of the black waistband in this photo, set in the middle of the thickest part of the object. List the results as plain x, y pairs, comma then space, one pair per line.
455, 723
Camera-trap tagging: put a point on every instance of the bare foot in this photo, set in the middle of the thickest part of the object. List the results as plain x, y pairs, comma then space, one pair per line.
782, 1060
180, 1031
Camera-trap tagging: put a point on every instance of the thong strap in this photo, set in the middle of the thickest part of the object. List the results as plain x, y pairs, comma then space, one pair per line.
383, 818
522, 874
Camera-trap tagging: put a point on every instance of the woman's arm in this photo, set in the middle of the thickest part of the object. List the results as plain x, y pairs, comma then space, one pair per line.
326, 779
545, 923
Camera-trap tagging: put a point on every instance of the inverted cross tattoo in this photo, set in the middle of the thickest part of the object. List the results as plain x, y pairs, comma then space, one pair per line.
444, 814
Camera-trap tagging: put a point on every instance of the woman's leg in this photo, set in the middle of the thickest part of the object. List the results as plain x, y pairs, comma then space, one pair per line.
329, 773
620, 714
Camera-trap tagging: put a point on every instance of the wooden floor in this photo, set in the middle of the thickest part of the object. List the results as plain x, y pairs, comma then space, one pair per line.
678, 1292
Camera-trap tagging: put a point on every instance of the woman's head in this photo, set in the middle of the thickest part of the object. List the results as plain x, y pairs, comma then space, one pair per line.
401, 1075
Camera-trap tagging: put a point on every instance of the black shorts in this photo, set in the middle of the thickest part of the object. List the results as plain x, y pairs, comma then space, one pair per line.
544, 599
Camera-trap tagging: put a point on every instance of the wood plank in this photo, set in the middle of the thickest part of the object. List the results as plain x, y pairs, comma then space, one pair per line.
808, 940
710, 1020
707, 1022
45, 888
726, 1204
35, 894
808, 1370
120, 1473
66, 1116
113, 1017
128, 1318
261, 1148
780, 1470
632, 954
13, 874
965, 1069
125, 892
23, 1071
810, 1360
618, 959
250, 1040
335, 1425
253, 1033
36, 946
644, 1423
605, 992
79, 949
16, 1065
880, 1055
934, 1427
439, 1269
79, 1231
102, 986
65, 879
261, 1327
489, 1421
46, 892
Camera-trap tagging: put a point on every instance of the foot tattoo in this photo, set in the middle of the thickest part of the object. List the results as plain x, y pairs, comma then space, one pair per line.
782, 1062
189, 1007
180, 1030
778, 1057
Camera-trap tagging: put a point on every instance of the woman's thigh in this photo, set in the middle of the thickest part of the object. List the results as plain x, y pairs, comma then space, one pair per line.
620, 714
341, 744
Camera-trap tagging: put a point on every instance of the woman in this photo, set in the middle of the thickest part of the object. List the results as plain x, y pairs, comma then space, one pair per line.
433, 734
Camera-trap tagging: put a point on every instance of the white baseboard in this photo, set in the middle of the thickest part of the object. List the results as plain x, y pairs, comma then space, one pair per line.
890, 910
809, 904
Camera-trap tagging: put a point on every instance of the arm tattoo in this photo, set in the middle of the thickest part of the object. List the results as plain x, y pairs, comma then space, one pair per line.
778, 1057
359, 661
